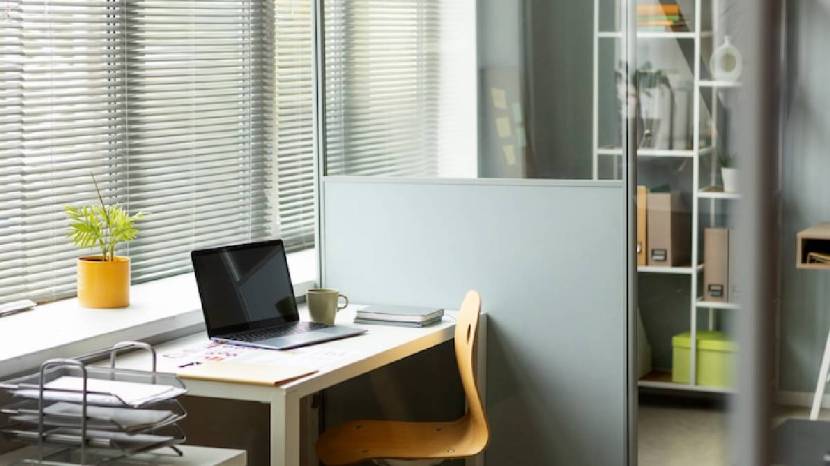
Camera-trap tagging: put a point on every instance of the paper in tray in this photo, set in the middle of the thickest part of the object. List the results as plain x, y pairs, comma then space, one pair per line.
102, 392
64, 414
99, 439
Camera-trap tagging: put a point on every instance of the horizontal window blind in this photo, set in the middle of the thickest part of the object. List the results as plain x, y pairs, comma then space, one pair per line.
199, 112
63, 117
168, 103
294, 135
382, 87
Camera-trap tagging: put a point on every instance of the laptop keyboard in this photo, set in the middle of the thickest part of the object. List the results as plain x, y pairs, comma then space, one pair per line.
275, 332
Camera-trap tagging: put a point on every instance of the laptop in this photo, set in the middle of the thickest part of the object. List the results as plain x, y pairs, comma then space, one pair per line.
248, 299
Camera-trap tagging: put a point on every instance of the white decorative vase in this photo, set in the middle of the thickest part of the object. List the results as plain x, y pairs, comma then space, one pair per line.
726, 62
730, 180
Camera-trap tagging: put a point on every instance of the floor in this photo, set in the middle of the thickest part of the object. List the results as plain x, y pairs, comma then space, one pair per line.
678, 431
675, 431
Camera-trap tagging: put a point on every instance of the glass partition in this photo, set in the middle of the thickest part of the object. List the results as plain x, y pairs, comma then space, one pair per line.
466, 89
512, 90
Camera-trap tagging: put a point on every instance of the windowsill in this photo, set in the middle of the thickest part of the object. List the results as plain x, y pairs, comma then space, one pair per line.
162, 307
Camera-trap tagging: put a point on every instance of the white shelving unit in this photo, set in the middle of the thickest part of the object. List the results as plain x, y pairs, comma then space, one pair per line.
699, 194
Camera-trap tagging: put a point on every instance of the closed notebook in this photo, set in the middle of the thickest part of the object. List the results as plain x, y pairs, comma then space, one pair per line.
254, 374
395, 323
388, 313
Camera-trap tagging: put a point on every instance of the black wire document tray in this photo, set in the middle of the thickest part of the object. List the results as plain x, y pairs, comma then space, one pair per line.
77, 414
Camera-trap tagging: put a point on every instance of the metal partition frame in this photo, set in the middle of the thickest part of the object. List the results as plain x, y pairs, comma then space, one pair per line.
629, 351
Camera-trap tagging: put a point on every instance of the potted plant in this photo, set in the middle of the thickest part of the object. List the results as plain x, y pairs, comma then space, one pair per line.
729, 173
103, 279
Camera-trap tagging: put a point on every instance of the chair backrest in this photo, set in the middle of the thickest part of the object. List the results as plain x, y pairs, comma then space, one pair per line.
466, 328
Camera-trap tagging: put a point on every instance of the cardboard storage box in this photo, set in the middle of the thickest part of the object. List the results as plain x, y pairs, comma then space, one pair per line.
669, 230
715, 359
642, 215
716, 265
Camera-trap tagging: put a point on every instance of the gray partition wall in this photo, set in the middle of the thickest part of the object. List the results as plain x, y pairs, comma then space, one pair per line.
549, 260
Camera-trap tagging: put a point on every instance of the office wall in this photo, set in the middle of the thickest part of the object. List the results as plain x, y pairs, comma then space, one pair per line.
547, 257
805, 295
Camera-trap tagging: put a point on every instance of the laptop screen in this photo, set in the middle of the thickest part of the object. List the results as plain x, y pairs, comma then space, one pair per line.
244, 287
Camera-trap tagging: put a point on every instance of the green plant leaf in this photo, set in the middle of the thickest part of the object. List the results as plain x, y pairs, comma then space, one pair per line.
100, 225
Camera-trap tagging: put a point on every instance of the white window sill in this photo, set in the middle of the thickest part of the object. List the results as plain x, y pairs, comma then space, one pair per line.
161, 307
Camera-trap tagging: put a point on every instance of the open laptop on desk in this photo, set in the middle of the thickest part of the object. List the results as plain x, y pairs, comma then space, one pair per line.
248, 299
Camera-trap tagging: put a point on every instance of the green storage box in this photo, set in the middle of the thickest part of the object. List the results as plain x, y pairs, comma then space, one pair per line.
715, 359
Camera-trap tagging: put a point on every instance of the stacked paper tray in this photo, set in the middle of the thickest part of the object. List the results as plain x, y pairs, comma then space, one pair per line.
83, 414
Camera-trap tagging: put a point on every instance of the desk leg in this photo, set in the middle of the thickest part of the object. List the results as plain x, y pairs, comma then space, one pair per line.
285, 430
481, 376
821, 384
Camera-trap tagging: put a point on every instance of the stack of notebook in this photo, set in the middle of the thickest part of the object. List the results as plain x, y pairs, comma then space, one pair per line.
404, 316
661, 17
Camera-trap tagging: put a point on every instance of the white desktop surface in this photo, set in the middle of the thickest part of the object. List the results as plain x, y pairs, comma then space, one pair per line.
193, 456
379, 346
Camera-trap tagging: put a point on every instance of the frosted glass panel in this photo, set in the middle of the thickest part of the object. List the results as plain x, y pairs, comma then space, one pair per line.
474, 89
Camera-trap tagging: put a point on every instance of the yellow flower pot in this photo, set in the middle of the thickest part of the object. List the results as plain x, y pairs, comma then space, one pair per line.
104, 284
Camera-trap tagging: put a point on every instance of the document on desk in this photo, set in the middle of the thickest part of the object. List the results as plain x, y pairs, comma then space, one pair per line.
315, 357
319, 357
234, 371
203, 352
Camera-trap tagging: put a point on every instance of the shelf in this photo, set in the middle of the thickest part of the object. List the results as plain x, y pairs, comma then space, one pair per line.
665, 153
654, 153
655, 34
716, 305
662, 380
609, 151
718, 195
666, 35
720, 84
670, 270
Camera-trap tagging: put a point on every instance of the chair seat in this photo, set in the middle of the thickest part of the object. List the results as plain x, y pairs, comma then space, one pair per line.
358, 441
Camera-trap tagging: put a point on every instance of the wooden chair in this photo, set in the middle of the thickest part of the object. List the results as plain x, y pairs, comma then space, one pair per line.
357, 441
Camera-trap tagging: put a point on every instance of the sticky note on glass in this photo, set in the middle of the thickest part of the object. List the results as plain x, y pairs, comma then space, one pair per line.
499, 97
503, 127
517, 113
509, 154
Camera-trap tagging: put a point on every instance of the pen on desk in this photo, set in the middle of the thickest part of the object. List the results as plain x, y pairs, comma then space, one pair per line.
194, 363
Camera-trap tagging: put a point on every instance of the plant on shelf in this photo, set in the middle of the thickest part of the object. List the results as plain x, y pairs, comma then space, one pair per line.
729, 173
104, 279
654, 109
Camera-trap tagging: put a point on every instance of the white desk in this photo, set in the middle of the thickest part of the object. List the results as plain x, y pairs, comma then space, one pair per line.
380, 346
193, 456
